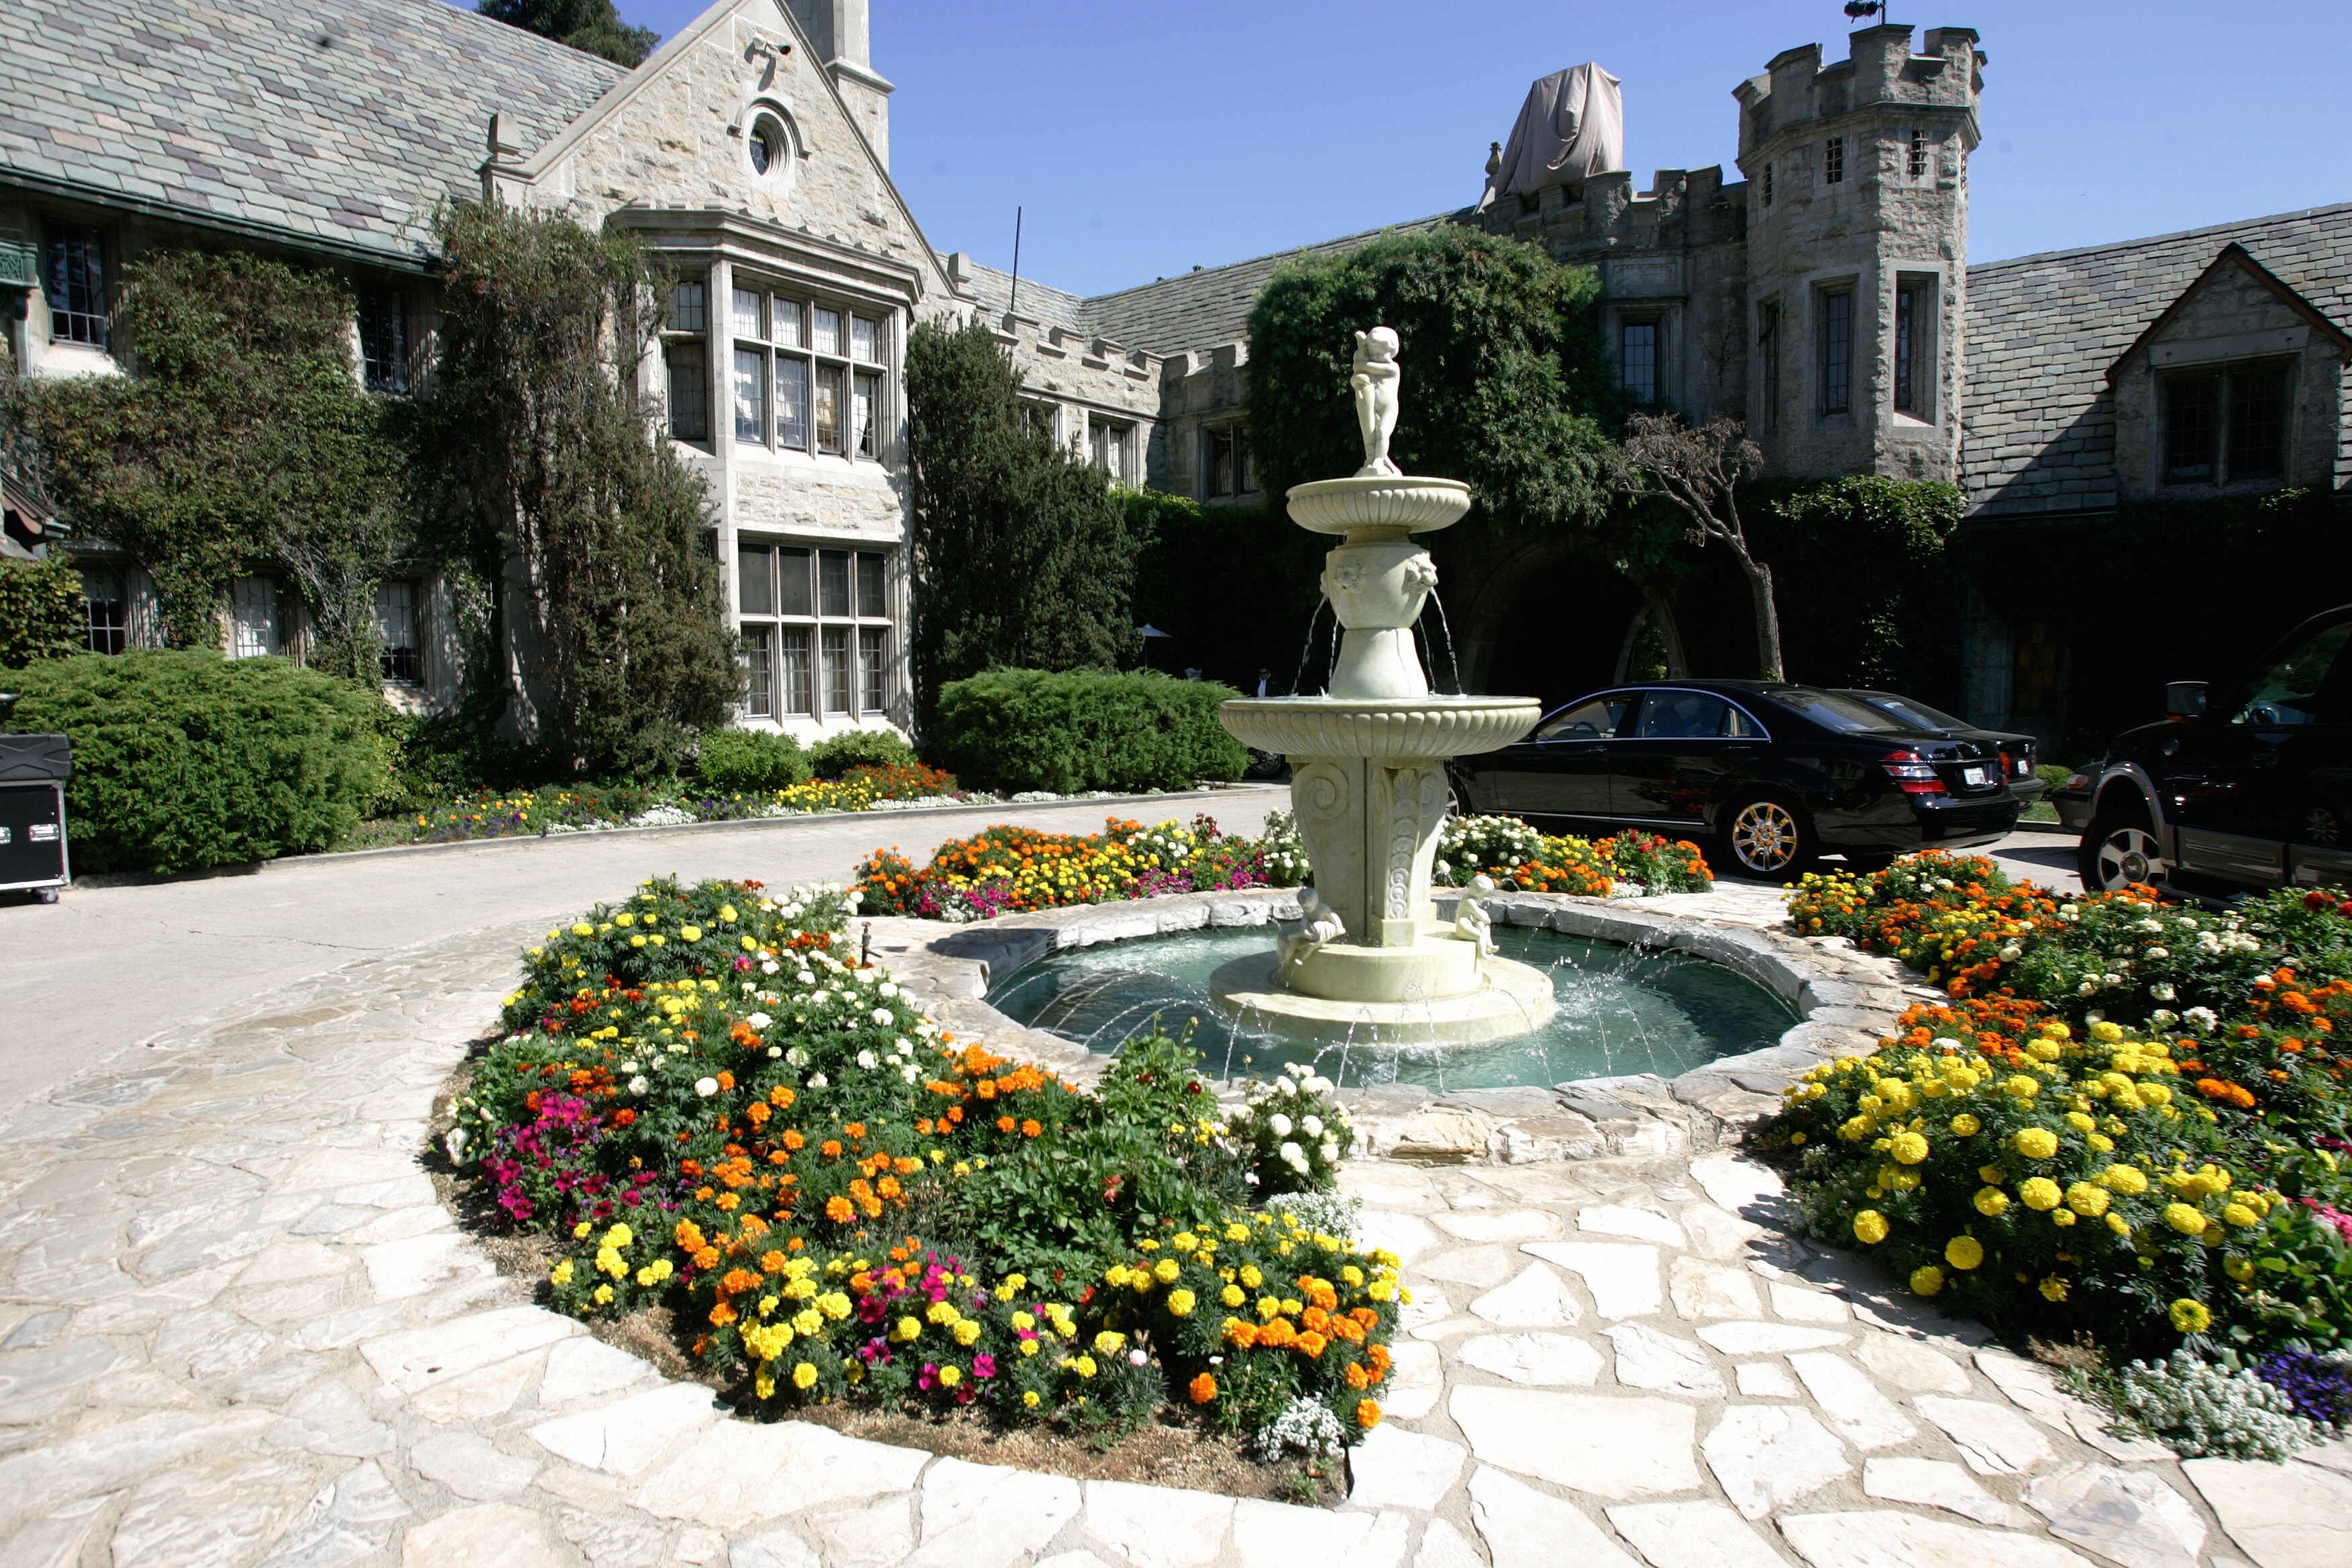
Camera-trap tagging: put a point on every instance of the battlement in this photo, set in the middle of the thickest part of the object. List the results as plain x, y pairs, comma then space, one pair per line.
1682, 207
1797, 90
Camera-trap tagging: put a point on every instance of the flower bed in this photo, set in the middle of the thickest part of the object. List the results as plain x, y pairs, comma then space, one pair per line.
1511, 853
2126, 1123
707, 1109
1007, 870
587, 808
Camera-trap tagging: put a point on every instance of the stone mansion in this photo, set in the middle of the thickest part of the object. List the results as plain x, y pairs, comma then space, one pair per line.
1824, 296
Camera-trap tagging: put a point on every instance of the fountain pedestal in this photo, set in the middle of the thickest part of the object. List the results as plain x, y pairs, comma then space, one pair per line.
1369, 785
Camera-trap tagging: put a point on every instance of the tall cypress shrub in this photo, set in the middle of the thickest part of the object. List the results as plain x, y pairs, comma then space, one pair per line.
1023, 554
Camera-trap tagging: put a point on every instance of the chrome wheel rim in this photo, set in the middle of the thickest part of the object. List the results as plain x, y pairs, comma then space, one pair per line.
2128, 854
1764, 837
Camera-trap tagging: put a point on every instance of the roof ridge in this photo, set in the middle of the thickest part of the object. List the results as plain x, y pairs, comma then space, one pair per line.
2237, 226
1274, 255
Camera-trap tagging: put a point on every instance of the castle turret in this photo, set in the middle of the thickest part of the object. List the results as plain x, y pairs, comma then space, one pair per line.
1857, 252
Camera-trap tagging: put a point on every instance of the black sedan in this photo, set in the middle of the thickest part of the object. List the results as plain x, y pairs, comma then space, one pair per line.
1774, 773
2019, 752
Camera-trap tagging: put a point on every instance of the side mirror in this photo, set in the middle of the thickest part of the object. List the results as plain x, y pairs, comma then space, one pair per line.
2184, 698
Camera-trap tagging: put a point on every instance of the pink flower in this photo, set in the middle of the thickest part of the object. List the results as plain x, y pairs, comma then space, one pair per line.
983, 1365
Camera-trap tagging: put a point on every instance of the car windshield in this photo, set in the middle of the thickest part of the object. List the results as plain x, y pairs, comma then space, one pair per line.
1833, 711
1911, 712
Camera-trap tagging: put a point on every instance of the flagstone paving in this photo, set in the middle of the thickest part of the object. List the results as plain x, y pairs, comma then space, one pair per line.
236, 1327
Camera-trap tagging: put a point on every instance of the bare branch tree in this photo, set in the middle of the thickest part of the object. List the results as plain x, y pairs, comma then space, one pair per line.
1700, 471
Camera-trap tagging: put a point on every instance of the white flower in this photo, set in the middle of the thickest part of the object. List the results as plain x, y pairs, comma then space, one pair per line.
907, 1071
818, 1080
869, 1060
1330, 1153
796, 1057
1280, 1123
2201, 1019
820, 996
1311, 1125
1292, 1155
884, 1015
1286, 1085
2159, 952
1138, 1358
638, 1085
759, 1020
1318, 1084
629, 1066
706, 1087
775, 1051
2161, 993
1944, 1043
2163, 1017
806, 978
888, 989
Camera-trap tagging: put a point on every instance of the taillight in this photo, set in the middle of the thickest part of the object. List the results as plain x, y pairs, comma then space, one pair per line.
2078, 781
1912, 773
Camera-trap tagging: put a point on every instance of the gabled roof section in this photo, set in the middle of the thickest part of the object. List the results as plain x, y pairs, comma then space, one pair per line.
1038, 301
2042, 329
1205, 309
2233, 255
342, 123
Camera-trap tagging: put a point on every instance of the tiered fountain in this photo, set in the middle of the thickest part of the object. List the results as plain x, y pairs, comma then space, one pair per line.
1368, 759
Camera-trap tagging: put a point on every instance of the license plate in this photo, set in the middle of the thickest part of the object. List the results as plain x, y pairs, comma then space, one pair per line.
1975, 777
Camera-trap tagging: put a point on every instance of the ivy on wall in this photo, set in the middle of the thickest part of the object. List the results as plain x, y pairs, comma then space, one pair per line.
40, 611
1024, 555
240, 439
585, 542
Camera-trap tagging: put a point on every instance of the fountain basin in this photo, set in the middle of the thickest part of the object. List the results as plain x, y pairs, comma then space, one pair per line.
1392, 727
1368, 505
1426, 995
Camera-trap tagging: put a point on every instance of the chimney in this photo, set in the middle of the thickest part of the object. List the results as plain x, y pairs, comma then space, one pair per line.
838, 37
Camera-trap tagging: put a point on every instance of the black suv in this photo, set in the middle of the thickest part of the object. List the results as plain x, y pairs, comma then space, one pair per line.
2247, 785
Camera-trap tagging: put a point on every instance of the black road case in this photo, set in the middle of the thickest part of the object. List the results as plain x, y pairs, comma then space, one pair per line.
33, 773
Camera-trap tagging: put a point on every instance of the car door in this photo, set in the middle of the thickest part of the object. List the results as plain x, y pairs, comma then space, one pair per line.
1562, 770
1676, 758
2238, 786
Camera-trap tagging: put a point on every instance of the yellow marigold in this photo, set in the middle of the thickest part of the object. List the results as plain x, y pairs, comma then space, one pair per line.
1909, 1148
2239, 1269
2079, 1123
1966, 1125
2089, 1199
1927, 1279
1181, 1303
2239, 1214
2021, 1087
562, 1274
1234, 1296
1991, 1202
1166, 1270
2036, 1143
2128, 1180
2119, 1224
805, 1376
1964, 1252
1870, 1227
2038, 1192
2185, 1219
2190, 1317
2052, 1288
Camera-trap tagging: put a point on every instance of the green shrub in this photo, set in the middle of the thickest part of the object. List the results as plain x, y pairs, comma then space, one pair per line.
734, 759
1026, 729
835, 756
184, 759
40, 611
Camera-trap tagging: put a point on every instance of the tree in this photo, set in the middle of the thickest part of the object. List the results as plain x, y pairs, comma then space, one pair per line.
592, 539
591, 26
1506, 388
1024, 554
241, 441
1699, 473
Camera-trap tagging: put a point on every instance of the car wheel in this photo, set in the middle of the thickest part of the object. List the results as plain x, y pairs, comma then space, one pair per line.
1769, 838
2118, 848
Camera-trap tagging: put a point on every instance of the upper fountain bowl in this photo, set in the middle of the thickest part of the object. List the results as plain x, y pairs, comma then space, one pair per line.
1379, 727
1396, 503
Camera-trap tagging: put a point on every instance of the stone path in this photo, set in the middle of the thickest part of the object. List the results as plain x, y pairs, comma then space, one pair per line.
237, 1329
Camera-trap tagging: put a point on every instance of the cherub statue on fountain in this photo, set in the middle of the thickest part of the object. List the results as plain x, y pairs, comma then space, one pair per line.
1374, 384
1318, 923
1471, 920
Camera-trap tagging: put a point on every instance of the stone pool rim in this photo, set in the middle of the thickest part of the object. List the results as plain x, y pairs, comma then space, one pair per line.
1847, 1001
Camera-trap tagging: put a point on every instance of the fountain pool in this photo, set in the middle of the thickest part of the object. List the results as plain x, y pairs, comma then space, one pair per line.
1620, 1010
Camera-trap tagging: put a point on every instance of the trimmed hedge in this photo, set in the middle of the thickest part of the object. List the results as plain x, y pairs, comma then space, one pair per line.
835, 755
744, 761
41, 613
1029, 729
184, 759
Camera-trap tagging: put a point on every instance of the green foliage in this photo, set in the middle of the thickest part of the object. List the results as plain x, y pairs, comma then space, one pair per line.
1865, 569
1023, 554
836, 755
538, 453
184, 759
41, 613
591, 26
750, 759
1233, 587
242, 441
1028, 729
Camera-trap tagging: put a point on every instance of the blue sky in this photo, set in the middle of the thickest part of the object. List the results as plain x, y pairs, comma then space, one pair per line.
1143, 140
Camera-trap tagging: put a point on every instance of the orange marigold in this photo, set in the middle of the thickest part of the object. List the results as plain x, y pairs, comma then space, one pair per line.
839, 1210
1203, 1389
1367, 1413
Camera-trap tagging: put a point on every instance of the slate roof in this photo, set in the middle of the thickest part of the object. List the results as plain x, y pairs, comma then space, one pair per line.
237, 112
1209, 308
2040, 432
1039, 302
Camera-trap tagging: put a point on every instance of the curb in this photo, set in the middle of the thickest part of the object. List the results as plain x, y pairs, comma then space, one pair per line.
515, 840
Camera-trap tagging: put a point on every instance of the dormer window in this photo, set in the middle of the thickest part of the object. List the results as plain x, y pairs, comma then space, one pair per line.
2225, 427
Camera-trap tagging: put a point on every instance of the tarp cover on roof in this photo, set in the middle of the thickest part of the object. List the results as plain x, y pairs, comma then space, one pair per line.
1572, 126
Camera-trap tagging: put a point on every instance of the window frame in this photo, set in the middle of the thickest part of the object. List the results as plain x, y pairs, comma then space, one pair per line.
1655, 326
2233, 383
1768, 349
1110, 447
106, 622
397, 663
1833, 161
864, 627
1912, 353
1233, 442
1833, 367
86, 318
1919, 155
858, 389
384, 366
